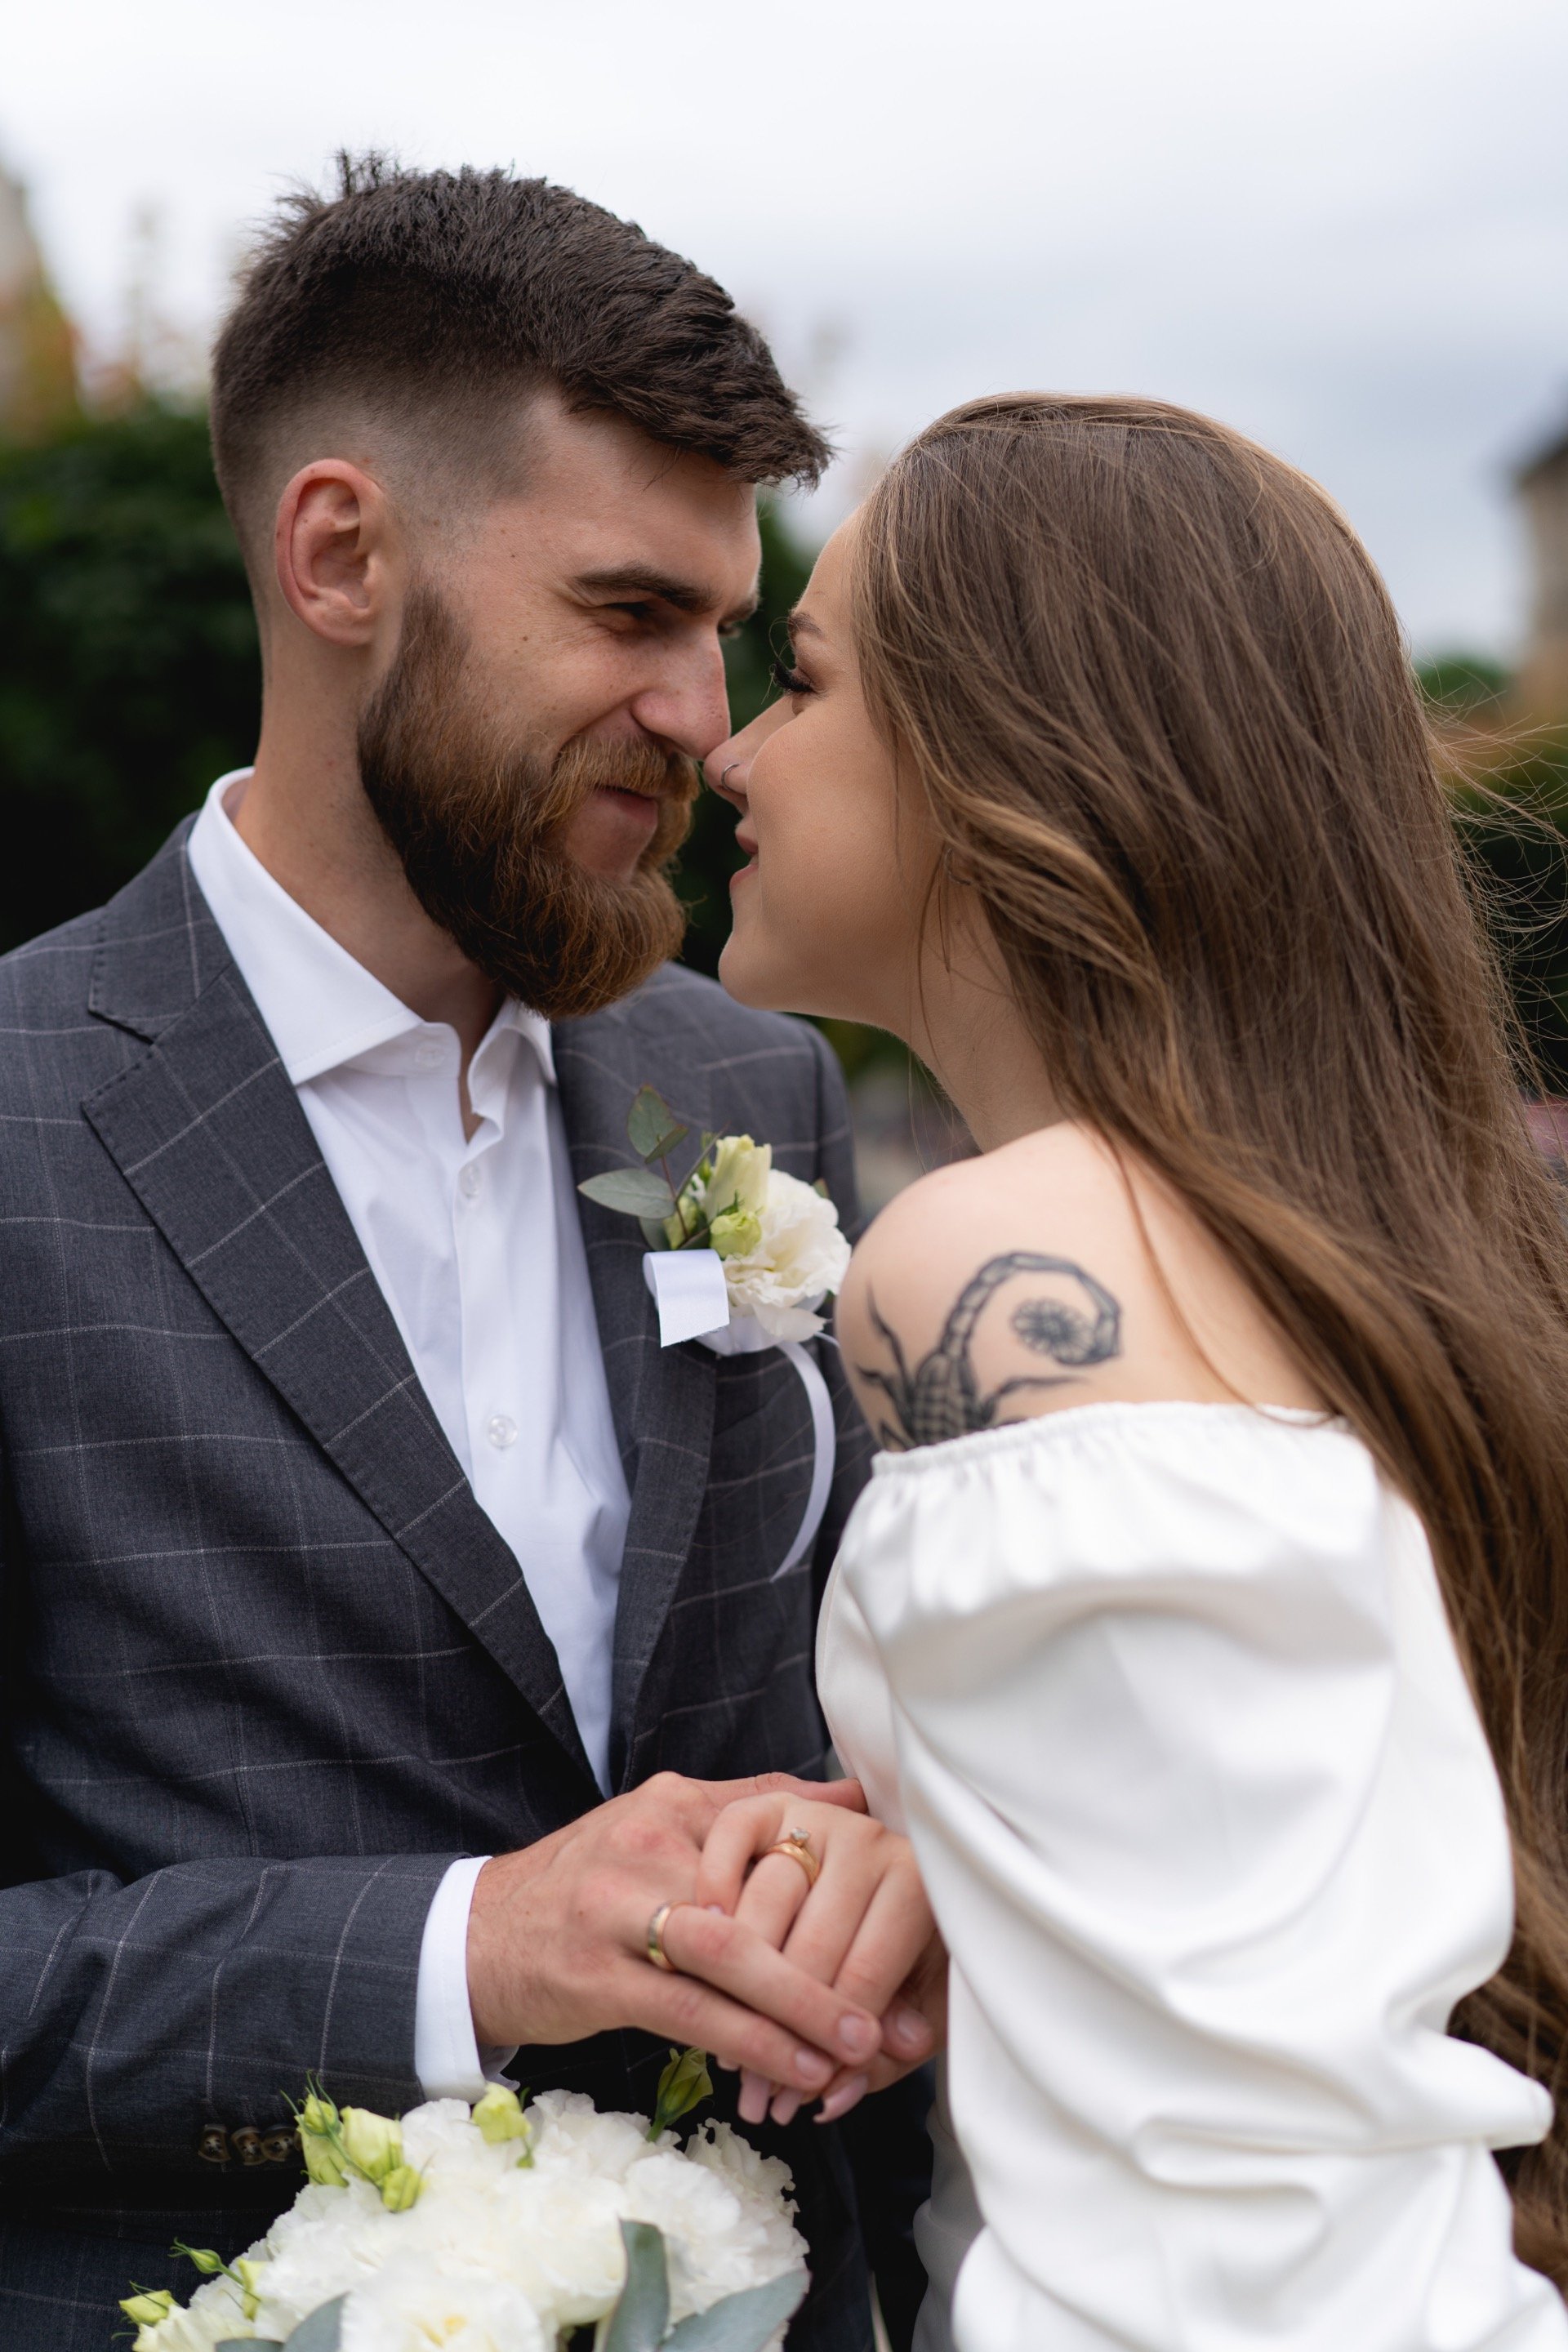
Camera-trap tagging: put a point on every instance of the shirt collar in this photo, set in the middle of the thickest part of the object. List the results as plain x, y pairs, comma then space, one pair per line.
323, 1008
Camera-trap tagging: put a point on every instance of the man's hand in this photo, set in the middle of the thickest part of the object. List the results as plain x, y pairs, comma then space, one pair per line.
557, 1941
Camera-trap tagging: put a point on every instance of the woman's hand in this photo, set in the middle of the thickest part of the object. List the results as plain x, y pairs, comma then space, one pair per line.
863, 1926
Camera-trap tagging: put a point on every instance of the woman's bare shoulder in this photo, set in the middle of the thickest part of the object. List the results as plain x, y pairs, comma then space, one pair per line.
1047, 1274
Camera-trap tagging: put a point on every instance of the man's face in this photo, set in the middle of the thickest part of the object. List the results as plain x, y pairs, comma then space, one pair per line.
531, 751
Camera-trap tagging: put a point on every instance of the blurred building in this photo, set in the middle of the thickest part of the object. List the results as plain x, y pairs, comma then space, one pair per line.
1541, 689
37, 344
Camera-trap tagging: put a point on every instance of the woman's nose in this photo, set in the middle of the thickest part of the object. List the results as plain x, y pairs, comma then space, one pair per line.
725, 772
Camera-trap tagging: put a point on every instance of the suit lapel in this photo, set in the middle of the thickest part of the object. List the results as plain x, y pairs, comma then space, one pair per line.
206, 1130
662, 1398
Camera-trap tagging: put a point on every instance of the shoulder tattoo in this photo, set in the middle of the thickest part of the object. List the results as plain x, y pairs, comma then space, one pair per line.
941, 1397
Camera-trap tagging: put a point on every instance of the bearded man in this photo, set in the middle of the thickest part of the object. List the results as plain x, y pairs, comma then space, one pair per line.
387, 1615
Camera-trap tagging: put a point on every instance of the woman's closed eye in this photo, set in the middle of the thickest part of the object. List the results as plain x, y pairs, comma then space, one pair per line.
789, 681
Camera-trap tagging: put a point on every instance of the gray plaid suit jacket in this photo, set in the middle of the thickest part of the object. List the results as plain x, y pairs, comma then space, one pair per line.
268, 1667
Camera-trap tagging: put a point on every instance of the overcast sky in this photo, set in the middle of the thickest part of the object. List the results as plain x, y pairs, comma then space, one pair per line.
1340, 225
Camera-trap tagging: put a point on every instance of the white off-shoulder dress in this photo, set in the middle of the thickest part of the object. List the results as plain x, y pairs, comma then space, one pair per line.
1166, 1699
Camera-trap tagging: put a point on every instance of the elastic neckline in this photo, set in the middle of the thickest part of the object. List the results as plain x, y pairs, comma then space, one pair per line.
1079, 1420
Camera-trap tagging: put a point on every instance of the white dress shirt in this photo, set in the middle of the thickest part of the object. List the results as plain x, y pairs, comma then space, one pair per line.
476, 1244
1167, 1698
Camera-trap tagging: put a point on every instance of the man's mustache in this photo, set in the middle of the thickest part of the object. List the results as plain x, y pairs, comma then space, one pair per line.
644, 769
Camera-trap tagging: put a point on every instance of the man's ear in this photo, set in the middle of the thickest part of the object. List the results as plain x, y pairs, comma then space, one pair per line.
335, 550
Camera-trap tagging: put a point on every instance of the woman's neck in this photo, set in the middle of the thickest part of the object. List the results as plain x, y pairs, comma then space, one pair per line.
967, 1028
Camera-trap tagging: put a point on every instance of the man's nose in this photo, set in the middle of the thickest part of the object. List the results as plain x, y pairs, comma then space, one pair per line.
688, 705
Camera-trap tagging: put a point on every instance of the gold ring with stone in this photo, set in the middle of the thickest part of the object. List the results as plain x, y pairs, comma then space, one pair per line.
656, 1950
796, 1843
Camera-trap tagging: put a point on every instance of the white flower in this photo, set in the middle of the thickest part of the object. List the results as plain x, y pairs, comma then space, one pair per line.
215, 2316
799, 1258
569, 2130
556, 2236
329, 2240
412, 2306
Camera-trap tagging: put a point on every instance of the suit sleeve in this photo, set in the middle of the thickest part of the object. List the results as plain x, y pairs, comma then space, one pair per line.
144, 2022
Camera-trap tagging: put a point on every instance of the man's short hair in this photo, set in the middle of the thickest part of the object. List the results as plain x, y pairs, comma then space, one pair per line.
427, 303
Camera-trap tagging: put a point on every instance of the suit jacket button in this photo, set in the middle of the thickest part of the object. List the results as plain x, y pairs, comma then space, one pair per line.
247, 2145
213, 2146
278, 2146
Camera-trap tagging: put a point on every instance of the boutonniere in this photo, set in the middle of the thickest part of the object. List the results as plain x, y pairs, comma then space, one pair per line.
739, 1256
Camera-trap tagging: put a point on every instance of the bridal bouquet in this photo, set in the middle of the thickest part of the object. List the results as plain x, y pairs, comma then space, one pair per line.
506, 2228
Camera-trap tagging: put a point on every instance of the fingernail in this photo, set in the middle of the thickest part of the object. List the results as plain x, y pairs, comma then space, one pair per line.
716, 1907
810, 2068
787, 2106
908, 2028
843, 2098
858, 2037
755, 2093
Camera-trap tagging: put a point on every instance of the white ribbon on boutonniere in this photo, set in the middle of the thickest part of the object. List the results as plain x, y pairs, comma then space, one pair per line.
741, 1258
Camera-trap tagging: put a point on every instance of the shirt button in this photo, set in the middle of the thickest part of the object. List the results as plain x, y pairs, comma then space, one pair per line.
469, 1180
502, 1431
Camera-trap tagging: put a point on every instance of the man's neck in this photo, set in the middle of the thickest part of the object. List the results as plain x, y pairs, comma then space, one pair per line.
303, 815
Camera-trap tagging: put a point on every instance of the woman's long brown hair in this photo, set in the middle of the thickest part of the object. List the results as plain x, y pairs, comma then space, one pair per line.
1158, 701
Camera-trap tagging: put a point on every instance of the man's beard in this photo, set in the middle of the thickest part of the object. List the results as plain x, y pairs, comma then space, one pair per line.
477, 822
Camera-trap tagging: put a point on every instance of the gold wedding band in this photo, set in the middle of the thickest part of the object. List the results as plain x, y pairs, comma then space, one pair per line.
656, 1950
796, 1843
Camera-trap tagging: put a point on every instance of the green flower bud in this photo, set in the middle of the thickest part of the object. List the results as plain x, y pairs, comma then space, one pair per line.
246, 2275
373, 2144
735, 1233
400, 2188
206, 2261
148, 2306
323, 2162
684, 2085
738, 1178
318, 2115
499, 2115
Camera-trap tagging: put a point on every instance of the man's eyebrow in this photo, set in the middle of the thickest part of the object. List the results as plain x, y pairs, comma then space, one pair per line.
640, 580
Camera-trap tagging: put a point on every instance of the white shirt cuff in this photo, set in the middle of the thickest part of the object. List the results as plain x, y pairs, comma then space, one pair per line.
447, 2057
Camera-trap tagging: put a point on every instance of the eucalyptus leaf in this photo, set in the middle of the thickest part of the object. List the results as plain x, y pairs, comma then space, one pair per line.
740, 2323
652, 1126
323, 2329
639, 2320
635, 1191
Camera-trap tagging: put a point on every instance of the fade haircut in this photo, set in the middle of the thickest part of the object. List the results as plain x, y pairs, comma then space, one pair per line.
423, 307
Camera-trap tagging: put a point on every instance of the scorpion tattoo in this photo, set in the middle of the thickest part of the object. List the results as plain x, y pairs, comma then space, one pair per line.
941, 1398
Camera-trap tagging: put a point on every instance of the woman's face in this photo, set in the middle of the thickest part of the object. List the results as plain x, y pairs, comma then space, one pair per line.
827, 913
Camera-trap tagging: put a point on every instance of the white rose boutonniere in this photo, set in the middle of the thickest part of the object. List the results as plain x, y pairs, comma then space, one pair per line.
777, 1239
741, 1257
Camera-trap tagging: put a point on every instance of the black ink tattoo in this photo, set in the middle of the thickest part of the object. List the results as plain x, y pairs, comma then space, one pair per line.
941, 1398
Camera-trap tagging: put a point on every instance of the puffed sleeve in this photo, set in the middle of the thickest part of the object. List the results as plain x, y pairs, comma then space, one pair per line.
1211, 1831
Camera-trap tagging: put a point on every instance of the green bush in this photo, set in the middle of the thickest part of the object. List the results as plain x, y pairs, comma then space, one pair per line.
1513, 827
129, 676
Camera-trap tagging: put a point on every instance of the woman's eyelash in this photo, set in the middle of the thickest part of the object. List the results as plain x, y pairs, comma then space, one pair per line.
788, 680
